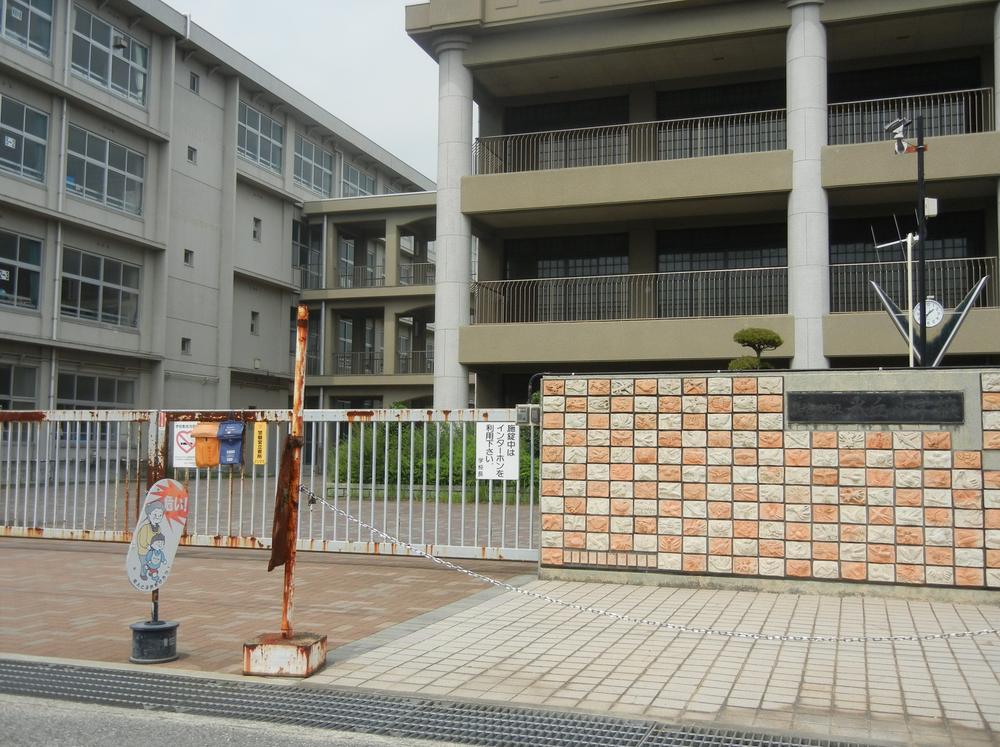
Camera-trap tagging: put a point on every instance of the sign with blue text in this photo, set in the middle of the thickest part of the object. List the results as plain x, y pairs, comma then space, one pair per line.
497, 449
157, 533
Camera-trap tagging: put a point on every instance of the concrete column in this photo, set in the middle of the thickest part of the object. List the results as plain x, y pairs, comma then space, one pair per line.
996, 94
808, 212
227, 242
454, 230
389, 333
391, 252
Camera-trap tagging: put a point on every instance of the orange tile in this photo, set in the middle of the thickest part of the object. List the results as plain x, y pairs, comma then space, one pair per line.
574, 540
991, 440
937, 517
968, 459
969, 577
645, 421
909, 497
825, 476
645, 525
695, 527
575, 471
883, 478
599, 421
881, 554
552, 453
644, 489
991, 518
907, 459
552, 522
770, 403
552, 556
969, 498
744, 492
620, 472
577, 506
598, 524
968, 538
910, 574
575, 438
853, 533
598, 454
669, 543
695, 386
798, 532
720, 546
668, 404
772, 548
993, 558
771, 439
645, 387
694, 421
576, 404
824, 439
621, 542
798, 568
718, 404
939, 556
991, 479
937, 440
772, 511
552, 487
798, 457
991, 401
621, 404
744, 385
720, 439
854, 571
621, 507
551, 420
825, 551
745, 566
825, 514
852, 496
720, 475
880, 515
621, 438
598, 488
694, 456
645, 456
745, 457
744, 422
553, 387
669, 439
851, 458
694, 491
745, 529
599, 387
668, 473
670, 508
878, 440
693, 563
937, 478
720, 510
909, 536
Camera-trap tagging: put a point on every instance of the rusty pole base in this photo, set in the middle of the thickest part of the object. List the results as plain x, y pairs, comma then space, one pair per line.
271, 655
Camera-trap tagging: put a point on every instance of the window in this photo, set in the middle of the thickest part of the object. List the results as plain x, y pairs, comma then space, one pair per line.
192, 154
17, 387
357, 182
23, 132
255, 322
109, 57
20, 270
85, 392
28, 23
194, 83
189, 257
255, 231
307, 253
259, 138
185, 346
104, 171
100, 289
313, 167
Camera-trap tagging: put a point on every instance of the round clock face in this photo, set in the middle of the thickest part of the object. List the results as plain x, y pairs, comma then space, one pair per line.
935, 312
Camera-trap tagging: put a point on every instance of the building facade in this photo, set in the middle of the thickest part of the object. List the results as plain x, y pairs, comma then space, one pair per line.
651, 176
152, 234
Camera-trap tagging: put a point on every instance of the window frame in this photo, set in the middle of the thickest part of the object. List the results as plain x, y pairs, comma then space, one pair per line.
25, 136
19, 266
88, 161
194, 82
33, 14
302, 160
95, 403
79, 278
244, 132
136, 70
9, 399
354, 188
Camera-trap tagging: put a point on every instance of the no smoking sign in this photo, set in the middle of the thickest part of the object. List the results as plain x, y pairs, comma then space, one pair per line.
183, 443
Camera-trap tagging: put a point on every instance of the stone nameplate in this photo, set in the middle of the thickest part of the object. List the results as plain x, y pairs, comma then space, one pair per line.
876, 407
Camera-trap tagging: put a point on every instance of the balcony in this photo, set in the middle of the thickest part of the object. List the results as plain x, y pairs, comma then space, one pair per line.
666, 295
419, 273
948, 280
749, 132
361, 276
358, 364
949, 113
415, 362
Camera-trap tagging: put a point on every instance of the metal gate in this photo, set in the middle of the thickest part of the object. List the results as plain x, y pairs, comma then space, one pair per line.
411, 473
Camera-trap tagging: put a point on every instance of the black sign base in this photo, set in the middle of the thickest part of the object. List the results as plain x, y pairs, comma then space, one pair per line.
153, 642
908, 407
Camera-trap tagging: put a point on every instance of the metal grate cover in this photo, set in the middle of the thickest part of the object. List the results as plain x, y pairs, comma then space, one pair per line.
372, 713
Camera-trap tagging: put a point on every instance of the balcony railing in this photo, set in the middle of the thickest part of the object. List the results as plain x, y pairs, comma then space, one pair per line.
361, 276
948, 280
415, 362
749, 132
420, 273
950, 113
357, 364
309, 275
665, 295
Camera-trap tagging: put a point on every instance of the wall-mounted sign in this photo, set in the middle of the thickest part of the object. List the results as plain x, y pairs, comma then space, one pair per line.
260, 443
183, 445
497, 449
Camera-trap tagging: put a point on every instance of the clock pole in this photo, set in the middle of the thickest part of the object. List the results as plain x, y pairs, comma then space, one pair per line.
921, 239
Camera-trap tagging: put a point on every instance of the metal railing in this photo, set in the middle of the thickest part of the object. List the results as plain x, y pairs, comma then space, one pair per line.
415, 362
948, 280
353, 364
418, 273
949, 113
748, 132
362, 276
412, 473
309, 275
665, 295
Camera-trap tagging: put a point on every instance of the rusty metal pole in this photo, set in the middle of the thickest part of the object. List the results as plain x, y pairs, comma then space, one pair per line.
298, 391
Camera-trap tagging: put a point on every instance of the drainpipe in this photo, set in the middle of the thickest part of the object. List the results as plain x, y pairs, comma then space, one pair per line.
57, 265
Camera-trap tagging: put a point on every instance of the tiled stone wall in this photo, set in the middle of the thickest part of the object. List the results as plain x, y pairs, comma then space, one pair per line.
701, 475
991, 411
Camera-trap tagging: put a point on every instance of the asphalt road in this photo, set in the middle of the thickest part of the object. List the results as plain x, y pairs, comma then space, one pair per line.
36, 721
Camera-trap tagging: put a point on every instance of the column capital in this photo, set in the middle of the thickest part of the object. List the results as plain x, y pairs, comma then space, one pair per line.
795, 3
451, 42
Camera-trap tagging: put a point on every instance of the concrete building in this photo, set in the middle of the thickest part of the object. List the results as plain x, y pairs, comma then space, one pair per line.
152, 234
651, 176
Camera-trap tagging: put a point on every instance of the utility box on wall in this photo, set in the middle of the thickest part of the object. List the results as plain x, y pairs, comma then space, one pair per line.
230, 442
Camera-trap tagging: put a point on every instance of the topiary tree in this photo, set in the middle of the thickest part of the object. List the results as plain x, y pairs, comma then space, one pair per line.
758, 340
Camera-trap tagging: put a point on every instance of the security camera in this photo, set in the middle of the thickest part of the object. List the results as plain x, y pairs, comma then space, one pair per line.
900, 146
898, 124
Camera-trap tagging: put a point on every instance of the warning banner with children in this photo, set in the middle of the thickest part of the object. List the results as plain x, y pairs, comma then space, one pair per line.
157, 534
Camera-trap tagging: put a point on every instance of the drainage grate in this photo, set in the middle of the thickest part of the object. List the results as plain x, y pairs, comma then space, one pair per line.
373, 713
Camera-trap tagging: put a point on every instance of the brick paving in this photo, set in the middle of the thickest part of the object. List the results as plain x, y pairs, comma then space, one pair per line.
72, 599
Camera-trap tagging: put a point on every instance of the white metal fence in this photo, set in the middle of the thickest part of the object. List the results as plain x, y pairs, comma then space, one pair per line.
82, 475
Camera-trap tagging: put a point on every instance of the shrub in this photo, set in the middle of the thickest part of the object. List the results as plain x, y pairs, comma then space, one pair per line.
758, 340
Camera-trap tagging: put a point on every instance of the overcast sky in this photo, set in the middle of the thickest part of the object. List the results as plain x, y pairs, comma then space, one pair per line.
352, 57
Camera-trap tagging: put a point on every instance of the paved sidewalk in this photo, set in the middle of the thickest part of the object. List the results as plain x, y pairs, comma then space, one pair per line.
406, 625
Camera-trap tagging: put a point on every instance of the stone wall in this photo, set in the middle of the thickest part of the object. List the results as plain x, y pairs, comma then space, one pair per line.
702, 475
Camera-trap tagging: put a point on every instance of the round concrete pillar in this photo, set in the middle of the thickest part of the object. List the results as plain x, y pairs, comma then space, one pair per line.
453, 244
808, 211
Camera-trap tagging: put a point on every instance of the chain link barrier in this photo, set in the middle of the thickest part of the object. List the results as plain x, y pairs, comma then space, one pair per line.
662, 624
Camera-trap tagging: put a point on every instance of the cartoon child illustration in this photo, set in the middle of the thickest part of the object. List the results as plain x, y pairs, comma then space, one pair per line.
154, 557
144, 534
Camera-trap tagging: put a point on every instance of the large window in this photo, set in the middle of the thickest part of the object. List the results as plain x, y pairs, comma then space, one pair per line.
23, 132
307, 253
313, 167
109, 57
20, 270
104, 171
100, 289
722, 248
259, 138
949, 236
85, 392
17, 387
28, 23
356, 182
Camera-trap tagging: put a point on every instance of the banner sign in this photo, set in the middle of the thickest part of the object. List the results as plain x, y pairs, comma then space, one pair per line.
157, 534
497, 450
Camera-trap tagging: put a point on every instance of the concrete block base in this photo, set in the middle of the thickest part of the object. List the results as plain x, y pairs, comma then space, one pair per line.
271, 655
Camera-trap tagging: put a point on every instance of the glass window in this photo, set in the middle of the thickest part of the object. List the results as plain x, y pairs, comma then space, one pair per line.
104, 171
722, 248
109, 57
100, 289
17, 387
194, 83
356, 182
28, 23
87, 391
307, 253
313, 167
259, 138
23, 134
20, 270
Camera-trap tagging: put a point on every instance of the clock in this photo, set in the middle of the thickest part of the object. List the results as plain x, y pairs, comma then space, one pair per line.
935, 312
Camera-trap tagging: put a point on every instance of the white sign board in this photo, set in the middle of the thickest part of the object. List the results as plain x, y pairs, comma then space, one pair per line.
157, 534
183, 445
497, 451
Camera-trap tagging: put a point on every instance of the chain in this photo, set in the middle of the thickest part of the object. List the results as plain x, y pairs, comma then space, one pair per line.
737, 634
